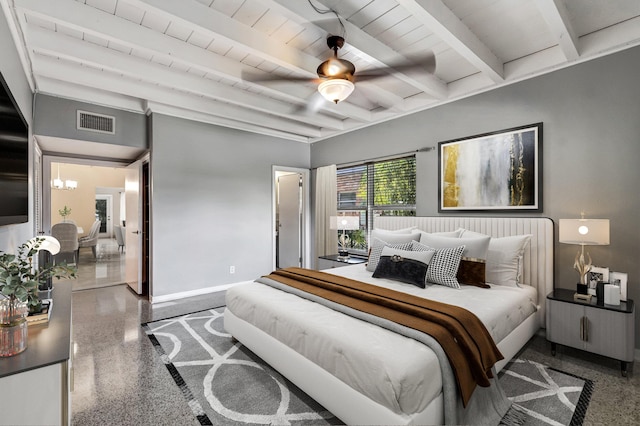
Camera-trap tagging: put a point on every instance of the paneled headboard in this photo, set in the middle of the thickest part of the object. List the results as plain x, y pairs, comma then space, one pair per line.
538, 256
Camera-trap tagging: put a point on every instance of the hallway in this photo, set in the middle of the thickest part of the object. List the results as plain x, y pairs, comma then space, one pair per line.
107, 269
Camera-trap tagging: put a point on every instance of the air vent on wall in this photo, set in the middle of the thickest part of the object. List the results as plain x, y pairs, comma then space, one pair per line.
96, 122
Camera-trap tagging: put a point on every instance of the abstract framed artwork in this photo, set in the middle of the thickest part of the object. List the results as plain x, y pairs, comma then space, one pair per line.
494, 171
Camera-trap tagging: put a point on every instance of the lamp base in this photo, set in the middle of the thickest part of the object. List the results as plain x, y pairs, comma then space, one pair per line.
582, 288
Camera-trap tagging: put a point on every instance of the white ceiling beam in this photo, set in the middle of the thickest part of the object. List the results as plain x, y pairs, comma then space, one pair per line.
97, 79
75, 15
364, 46
56, 44
156, 107
215, 24
63, 89
556, 15
18, 40
445, 25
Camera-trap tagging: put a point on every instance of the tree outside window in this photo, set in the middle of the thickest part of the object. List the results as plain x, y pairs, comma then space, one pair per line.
383, 188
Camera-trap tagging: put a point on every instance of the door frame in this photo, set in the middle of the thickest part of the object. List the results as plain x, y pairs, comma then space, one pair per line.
306, 213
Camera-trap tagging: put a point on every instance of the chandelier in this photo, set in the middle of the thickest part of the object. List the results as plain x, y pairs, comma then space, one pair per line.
60, 184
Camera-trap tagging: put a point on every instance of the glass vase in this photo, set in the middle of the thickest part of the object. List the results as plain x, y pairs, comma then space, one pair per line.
13, 327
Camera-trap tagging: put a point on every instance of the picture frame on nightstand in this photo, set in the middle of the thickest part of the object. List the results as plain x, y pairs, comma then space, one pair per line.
595, 275
619, 279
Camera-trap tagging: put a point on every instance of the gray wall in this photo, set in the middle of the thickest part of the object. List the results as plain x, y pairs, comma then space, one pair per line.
212, 203
56, 117
13, 235
591, 116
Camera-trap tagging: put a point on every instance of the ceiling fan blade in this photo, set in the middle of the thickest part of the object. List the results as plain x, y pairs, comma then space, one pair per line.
266, 77
426, 64
312, 106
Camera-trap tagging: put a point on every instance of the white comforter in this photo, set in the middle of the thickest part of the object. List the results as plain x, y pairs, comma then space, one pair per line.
393, 370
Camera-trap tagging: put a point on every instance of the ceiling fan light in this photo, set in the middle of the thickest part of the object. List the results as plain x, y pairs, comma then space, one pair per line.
336, 89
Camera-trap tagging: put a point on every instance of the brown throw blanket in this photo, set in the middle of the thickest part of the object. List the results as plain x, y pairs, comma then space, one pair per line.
467, 343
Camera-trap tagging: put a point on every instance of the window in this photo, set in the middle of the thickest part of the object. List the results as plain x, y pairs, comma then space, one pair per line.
382, 188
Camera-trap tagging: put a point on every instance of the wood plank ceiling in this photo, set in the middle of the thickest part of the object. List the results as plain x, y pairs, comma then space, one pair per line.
187, 58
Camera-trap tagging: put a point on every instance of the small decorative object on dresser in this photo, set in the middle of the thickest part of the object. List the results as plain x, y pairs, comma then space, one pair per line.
619, 279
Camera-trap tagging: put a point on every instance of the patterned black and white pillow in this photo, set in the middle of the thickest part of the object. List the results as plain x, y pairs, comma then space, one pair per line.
376, 251
407, 266
444, 264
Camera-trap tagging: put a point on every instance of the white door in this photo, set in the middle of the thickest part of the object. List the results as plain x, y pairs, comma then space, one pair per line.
289, 220
133, 227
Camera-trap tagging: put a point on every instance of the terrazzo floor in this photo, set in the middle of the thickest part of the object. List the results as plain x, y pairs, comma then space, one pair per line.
119, 379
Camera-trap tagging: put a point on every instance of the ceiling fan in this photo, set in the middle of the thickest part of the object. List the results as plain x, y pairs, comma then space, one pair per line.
337, 77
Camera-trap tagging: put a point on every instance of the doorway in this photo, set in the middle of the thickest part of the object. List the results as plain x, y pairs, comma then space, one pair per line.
101, 184
104, 213
291, 217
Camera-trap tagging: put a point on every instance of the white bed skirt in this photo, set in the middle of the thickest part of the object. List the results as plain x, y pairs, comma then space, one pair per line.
343, 401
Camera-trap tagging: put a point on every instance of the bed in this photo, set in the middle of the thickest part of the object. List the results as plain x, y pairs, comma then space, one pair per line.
332, 356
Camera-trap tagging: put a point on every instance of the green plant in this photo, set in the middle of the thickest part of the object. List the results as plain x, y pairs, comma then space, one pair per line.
64, 212
19, 279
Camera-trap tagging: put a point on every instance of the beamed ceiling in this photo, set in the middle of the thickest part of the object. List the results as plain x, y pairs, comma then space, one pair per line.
187, 58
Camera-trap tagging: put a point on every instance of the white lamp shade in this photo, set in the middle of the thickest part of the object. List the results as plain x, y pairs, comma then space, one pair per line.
336, 89
344, 223
58, 184
586, 232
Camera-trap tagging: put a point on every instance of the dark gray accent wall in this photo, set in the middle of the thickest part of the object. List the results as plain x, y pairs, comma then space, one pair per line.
56, 117
11, 236
212, 203
591, 149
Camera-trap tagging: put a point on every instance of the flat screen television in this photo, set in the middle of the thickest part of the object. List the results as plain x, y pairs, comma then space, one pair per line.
14, 160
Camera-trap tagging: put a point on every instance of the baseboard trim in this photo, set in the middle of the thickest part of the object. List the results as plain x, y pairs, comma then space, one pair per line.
191, 293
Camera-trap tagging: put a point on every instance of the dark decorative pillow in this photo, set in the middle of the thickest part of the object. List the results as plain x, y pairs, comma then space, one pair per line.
403, 265
376, 250
472, 272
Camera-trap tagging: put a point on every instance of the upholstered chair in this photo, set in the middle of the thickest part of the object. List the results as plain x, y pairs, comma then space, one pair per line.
67, 234
119, 231
91, 239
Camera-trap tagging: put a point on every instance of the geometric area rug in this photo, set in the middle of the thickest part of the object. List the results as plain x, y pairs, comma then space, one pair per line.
226, 384
223, 382
544, 395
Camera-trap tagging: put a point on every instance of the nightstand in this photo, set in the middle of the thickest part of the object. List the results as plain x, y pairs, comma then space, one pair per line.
607, 330
335, 261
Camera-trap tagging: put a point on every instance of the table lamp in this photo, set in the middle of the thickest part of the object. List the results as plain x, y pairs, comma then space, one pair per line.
584, 232
344, 223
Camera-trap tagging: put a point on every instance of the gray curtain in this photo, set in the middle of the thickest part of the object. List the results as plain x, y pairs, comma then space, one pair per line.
326, 206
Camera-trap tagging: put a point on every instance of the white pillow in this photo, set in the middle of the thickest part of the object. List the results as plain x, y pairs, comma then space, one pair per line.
475, 248
450, 234
505, 258
395, 231
393, 237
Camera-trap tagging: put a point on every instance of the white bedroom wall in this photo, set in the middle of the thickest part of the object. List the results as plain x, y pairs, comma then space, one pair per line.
591, 150
13, 235
211, 204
